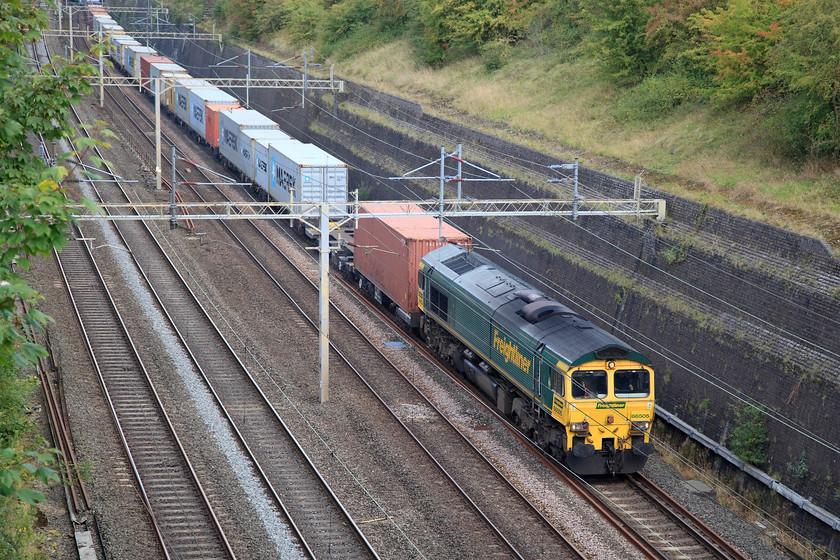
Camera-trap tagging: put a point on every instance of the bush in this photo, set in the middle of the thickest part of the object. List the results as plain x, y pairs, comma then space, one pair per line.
805, 60
618, 38
305, 17
799, 468
468, 26
354, 26
748, 438
556, 25
495, 55
272, 17
656, 97
14, 393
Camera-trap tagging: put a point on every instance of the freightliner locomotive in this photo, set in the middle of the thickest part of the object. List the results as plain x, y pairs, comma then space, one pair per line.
576, 390
580, 393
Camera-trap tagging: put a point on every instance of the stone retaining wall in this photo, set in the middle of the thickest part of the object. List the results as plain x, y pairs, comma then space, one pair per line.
723, 305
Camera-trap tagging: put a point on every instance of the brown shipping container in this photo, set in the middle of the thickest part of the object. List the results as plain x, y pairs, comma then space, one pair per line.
211, 121
388, 250
145, 63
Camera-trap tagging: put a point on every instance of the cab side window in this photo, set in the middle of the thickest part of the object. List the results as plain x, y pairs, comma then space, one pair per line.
558, 380
438, 303
589, 384
632, 383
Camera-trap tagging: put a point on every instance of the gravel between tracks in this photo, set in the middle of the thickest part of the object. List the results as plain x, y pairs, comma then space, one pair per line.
218, 270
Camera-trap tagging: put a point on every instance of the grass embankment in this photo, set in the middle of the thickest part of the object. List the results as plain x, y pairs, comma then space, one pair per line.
715, 156
715, 102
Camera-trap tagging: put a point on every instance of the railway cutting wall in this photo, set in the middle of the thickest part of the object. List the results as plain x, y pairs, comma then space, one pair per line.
728, 309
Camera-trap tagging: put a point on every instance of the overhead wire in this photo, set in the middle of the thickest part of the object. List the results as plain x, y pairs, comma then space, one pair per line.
665, 353
380, 178
503, 159
703, 375
770, 325
745, 398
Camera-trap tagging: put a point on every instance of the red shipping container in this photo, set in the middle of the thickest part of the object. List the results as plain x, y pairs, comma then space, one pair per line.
145, 63
211, 121
93, 11
388, 250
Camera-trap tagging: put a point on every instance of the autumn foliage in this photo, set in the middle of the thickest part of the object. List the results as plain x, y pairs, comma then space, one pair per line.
782, 53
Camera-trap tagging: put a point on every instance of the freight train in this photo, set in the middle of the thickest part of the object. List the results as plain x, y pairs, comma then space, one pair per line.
577, 391
245, 140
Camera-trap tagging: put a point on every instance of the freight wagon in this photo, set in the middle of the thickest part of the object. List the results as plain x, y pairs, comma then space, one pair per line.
387, 253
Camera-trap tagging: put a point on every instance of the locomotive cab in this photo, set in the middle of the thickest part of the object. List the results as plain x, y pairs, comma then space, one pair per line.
608, 414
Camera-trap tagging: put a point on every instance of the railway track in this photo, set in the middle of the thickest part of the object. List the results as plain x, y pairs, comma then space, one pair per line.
654, 522
669, 530
318, 519
544, 537
681, 548
181, 515
321, 526
484, 488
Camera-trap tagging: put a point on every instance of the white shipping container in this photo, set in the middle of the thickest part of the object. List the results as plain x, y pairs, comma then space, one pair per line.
182, 95
231, 123
116, 47
166, 70
305, 173
253, 151
199, 99
131, 58
99, 21
109, 30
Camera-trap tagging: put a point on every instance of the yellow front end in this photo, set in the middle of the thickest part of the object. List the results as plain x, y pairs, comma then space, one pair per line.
608, 412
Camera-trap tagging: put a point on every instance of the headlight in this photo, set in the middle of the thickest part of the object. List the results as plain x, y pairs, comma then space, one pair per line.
579, 426
640, 426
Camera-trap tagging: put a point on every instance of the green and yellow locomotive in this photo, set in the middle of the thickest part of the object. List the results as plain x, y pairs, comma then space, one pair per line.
579, 392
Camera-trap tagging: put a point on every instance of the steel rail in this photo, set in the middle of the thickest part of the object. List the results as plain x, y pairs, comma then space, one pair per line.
160, 532
690, 522
390, 410
710, 539
540, 207
361, 376
243, 440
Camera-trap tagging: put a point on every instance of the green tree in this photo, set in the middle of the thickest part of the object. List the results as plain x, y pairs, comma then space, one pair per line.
305, 18
738, 39
807, 60
468, 26
671, 37
34, 217
618, 41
